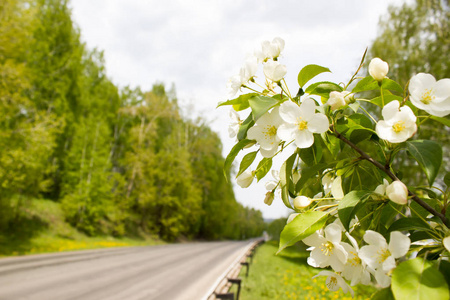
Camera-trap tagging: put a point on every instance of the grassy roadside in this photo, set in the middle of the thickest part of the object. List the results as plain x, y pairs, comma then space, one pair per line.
288, 276
43, 229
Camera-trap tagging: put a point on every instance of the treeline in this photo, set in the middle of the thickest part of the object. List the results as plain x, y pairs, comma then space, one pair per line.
119, 162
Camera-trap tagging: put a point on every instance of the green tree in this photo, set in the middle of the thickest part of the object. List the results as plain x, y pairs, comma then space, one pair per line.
27, 134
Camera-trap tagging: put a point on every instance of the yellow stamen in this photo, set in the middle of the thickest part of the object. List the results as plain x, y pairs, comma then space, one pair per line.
303, 125
327, 248
398, 126
427, 97
383, 254
332, 283
271, 131
355, 261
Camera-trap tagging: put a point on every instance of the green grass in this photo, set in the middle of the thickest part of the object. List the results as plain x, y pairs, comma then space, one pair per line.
43, 229
288, 276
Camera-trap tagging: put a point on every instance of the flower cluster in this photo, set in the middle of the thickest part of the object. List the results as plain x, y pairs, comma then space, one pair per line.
341, 164
268, 55
376, 259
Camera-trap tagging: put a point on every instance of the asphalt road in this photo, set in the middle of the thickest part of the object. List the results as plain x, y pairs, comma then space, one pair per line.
172, 272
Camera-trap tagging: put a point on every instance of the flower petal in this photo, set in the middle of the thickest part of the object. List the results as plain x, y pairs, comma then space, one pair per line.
307, 109
268, 153
369, 255
442, 90
314, 240
388, 264
374, 238
333, 233
383, 280
289, 112
303, 138
398, 244
318, 123
390, 110
286, 131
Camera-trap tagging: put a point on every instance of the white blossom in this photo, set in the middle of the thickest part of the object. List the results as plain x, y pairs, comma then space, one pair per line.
380, 256
234, 85
249, 70
246, 74
245, 179
327, 249
274, 71
332, 184
235, 123
334, 281
339, 99
265, 132
378, 69
397, 192
301, 122
399, 123
270, 50
430, 95
355, 269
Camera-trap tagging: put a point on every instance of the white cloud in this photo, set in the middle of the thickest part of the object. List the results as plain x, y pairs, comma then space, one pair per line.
199, 44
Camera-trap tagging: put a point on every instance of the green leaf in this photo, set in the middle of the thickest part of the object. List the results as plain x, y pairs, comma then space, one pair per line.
263, 168
349, 206
309, 72
260, 105
285, 178
444, 121
391, 85
323, 88
301, 227
232, 155
403, 224
444, 267
308, 173
447, 179
366, 84
387, 98
418, 279
383, 294
240, 103
247, 160
245, 126
286, 169
333, 143
429, 156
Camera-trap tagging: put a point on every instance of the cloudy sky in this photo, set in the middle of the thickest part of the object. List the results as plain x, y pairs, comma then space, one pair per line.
198, 44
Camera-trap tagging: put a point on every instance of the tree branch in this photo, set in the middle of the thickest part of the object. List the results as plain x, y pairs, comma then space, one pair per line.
386, 169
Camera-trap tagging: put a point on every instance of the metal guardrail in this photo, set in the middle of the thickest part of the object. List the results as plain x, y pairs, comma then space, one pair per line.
222, 290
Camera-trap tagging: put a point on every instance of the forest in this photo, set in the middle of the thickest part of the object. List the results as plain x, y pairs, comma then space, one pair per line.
117, 161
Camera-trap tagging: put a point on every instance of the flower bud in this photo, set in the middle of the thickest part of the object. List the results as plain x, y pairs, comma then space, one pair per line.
336, 100
245, 179
378, 69
302, 202
269, 198
397, 192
